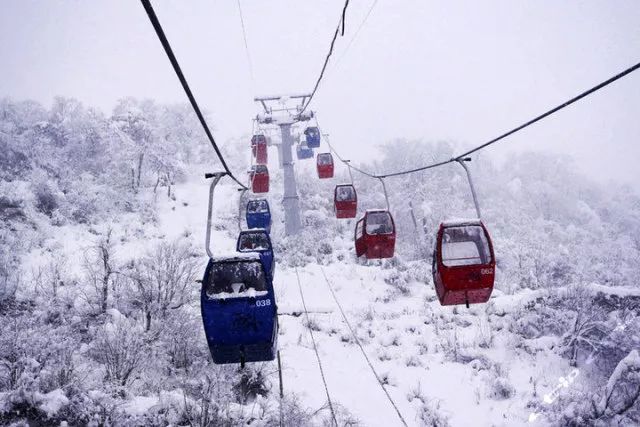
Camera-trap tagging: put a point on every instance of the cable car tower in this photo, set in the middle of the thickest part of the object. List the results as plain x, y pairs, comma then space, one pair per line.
286, 113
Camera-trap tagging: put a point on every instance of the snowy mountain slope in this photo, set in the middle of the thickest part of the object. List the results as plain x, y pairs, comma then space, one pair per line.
437, 362
397, 328
89, 337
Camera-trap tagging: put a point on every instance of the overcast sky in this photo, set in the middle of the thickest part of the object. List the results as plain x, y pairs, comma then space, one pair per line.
464, 71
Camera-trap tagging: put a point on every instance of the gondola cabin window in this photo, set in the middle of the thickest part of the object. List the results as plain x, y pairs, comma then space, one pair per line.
236, 279
379, 223
254, 242
325, 159
258, 206
465, 245
345, 194
359, 226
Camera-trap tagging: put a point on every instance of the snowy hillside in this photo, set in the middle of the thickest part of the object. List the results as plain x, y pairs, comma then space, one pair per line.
102, 242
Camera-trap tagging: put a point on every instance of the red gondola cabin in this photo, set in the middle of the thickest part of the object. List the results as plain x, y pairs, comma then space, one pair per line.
345, 201
324, 162
463, 263
259, 176
259, 149
376, 235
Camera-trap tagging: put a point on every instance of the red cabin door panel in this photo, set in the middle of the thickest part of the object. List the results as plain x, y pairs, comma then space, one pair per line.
261, 154
260, 183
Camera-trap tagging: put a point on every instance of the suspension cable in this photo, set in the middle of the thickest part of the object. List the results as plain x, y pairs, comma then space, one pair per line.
326, 60
346, 162
364, 353
355, 35
246, 45
315, 349
506, 134
183, 81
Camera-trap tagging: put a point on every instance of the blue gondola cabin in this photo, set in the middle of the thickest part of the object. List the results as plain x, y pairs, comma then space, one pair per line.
312, 135
257, 240
239, 310
304, 152
258, 214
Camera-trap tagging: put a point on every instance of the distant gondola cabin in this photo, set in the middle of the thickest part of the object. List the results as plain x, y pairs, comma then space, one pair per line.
258, 214
312, 136
257, 240
259, 176
345, 201
375, 235
259, 149
304, 152
324, 164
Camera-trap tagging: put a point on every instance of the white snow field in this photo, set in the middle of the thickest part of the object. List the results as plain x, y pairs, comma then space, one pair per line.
504, 363
447, 369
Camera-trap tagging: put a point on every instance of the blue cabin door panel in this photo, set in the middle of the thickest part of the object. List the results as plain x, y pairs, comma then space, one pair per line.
242, 322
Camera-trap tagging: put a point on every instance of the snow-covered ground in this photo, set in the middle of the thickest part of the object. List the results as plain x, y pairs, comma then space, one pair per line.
464, 362
492, 364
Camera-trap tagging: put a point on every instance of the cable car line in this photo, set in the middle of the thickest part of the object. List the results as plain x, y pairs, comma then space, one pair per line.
346, 162
246, 45
315, 349
183, 81
326, 60
553, 110
364, 353
355, 35
464, 155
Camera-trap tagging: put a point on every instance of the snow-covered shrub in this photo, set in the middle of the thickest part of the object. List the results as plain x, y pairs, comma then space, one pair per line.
163, 280
46, 193
431, 415
251, 383
621, 396
208, 397
312, 324
452, 345
294, 414
413, 360
501, 389
182, 349
100, 266
120, 348
617, 402
9, 277
484, 334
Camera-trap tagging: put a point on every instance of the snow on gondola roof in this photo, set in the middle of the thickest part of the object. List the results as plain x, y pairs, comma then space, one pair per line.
233, 256
254, 230
461, 221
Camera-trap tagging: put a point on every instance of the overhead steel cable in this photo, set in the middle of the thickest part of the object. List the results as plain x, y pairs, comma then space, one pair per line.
506, 134
246, 45
364, 353
553, 110
326, 60
315, 349
346, 162
183, 81
355, 35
